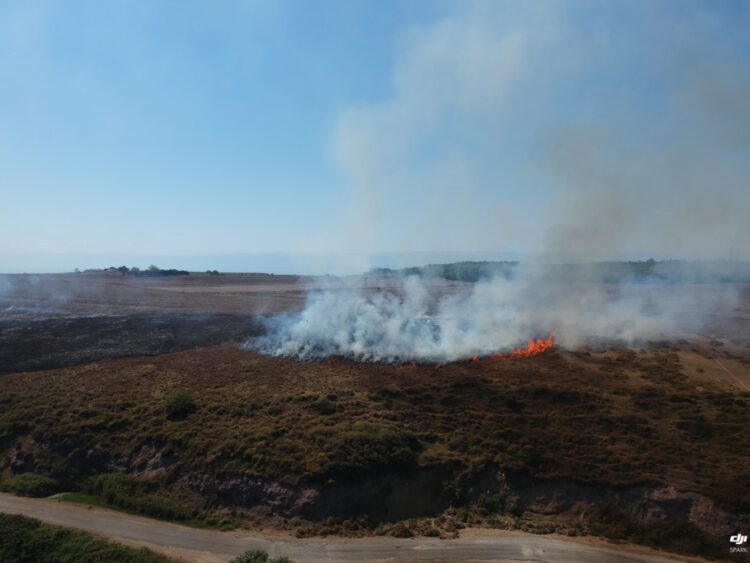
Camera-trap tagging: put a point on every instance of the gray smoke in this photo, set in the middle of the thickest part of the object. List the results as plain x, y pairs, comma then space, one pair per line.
570, 131
414, 319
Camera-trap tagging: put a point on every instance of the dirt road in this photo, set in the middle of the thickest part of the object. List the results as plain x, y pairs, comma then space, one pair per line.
205, 545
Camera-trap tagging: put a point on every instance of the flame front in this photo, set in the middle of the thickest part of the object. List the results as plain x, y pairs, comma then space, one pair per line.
533, 348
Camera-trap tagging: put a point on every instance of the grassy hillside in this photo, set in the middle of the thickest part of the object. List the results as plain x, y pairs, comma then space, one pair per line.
617, 420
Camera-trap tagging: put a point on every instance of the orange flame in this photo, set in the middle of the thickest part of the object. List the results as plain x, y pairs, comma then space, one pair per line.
533, 348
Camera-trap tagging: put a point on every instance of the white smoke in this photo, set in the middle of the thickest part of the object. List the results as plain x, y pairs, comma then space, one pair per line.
571, 131
415, 321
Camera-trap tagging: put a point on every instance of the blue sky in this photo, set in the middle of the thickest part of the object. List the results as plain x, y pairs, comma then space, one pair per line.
138, 129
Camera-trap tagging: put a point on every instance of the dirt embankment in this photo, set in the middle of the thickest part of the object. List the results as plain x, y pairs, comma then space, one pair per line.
552, 506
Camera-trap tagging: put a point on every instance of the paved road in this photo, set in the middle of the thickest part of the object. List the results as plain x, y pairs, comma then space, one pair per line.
206, 545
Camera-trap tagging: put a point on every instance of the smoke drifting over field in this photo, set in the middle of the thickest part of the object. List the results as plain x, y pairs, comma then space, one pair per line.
418, 320
650, 158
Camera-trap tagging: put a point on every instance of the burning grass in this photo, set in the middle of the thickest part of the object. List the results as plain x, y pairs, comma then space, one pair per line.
532, 348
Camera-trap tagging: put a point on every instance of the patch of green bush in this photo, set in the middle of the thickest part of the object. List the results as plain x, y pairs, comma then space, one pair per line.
497, 502
324, 406
179, 405
30, 485
131, 493
366, 447
258, 556
28, 540
678, 536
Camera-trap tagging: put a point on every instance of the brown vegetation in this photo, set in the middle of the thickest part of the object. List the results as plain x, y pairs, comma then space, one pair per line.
335, 437
617, 442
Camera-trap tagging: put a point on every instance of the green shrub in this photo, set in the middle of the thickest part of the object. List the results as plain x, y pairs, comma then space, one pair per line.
26, 540
497, 502
30, 485
324, 406
368, 447
113, 486
678, 536
253, 556
491, 502
179, 405
258, 556
131, 493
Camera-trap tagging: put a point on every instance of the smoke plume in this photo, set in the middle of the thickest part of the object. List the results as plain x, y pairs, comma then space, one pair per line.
572, 132
417, 320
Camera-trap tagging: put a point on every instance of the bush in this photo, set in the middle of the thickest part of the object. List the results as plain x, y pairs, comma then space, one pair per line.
114, 486
30, 485
498, 502
324, 406
130, 493
672, 535
492, 502
26, 539
253, 556
258, 556
179, 405
368, 447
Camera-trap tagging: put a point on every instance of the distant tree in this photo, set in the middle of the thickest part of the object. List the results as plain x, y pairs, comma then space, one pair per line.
123, 269
155, 271
135, 270
77, 271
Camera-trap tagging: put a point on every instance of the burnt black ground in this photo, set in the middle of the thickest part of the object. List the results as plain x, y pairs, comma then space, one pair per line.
28, 344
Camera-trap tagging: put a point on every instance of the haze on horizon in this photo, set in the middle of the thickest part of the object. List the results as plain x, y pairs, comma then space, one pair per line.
583, 130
